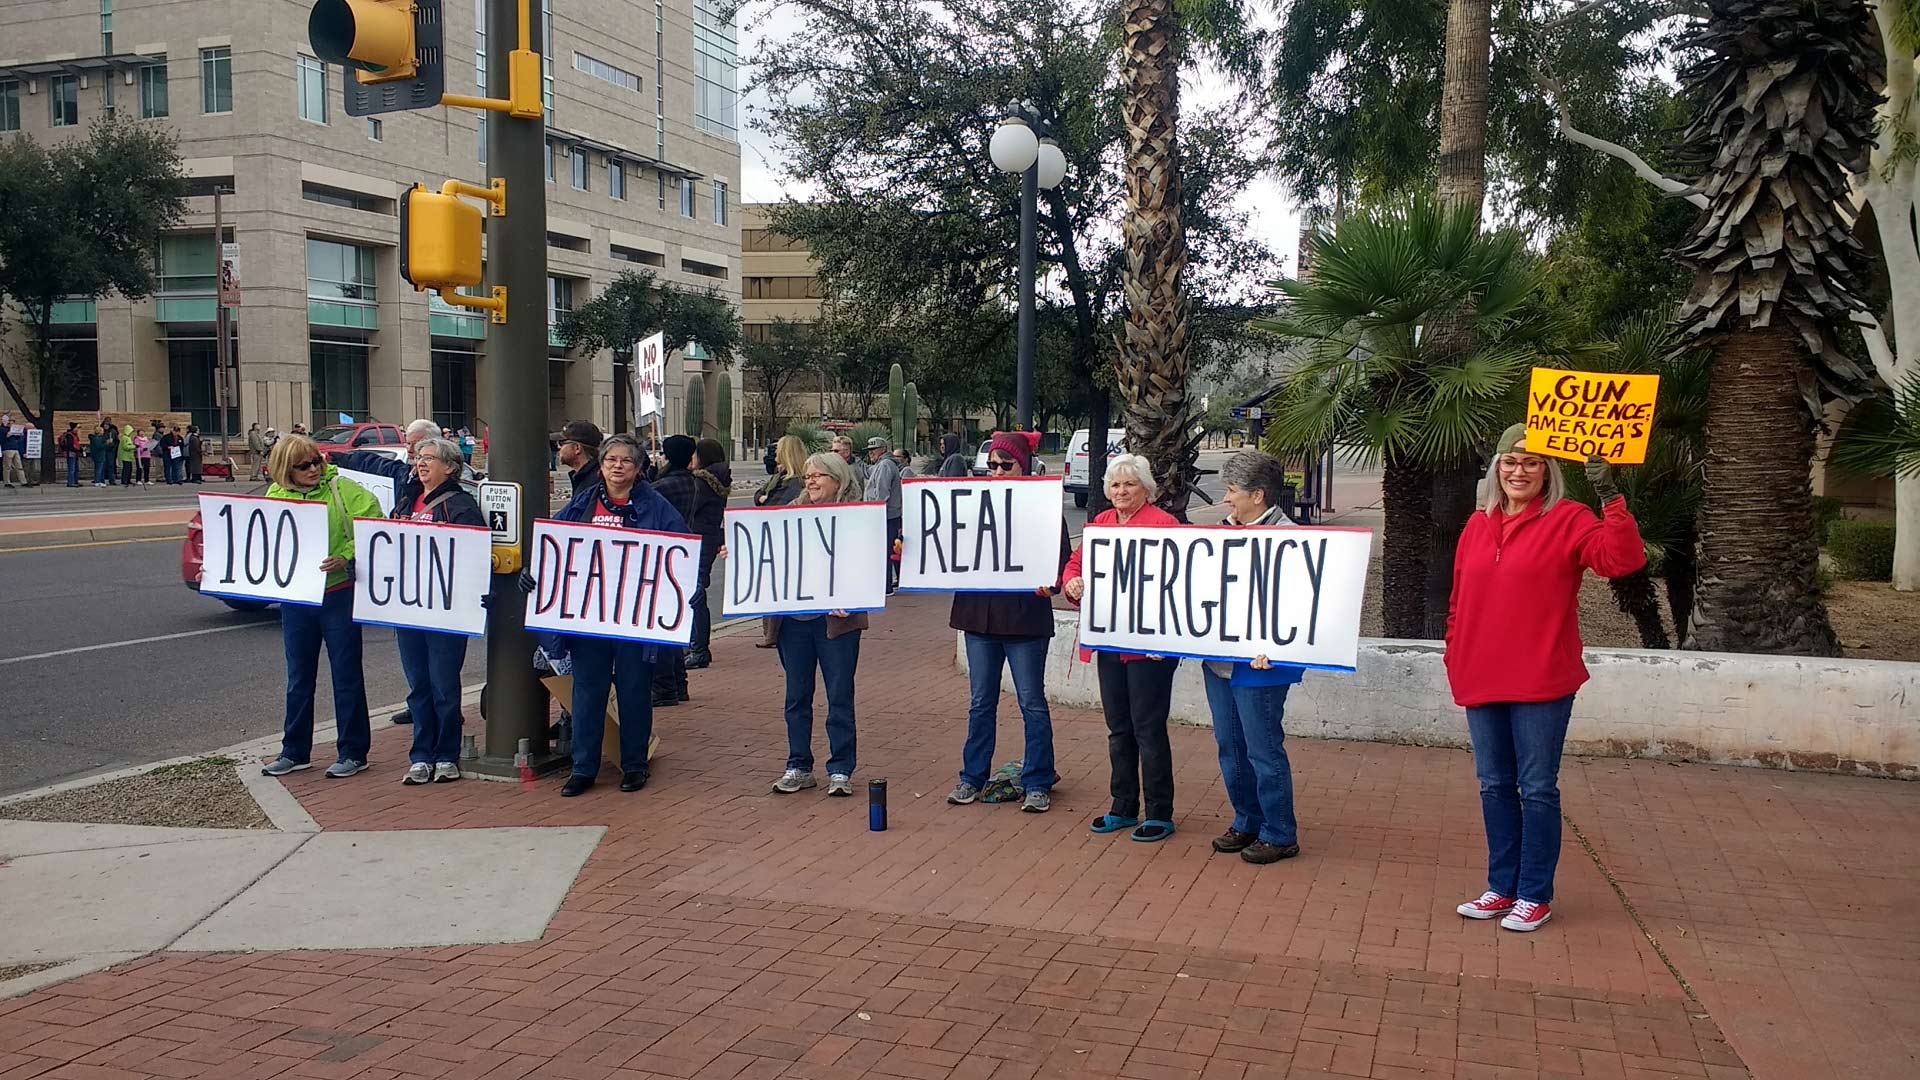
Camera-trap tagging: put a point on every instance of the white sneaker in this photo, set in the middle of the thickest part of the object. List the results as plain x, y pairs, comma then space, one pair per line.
794, 780
839, 784
446, 772
1527, 916
1491, 905
418, 773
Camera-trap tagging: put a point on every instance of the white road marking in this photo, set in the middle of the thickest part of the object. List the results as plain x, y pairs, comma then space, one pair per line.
135, 641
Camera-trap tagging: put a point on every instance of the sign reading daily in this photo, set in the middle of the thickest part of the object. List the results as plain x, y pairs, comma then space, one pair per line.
421, 575
1289, 594
604, 581
980, 535
805, 560
1579, 414
263, 549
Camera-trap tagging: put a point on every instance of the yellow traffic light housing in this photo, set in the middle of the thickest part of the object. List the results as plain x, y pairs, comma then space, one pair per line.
372, 37
440, 242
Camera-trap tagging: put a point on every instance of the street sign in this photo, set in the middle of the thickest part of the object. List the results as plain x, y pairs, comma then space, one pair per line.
500, 502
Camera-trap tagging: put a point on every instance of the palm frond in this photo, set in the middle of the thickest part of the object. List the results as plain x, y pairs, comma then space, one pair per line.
1881, 436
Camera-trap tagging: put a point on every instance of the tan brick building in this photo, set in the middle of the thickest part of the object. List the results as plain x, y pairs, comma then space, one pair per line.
643, 166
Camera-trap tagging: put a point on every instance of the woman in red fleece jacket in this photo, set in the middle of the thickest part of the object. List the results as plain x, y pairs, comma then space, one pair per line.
1513, 657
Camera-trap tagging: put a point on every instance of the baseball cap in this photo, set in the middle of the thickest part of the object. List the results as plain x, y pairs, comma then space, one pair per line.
580, 431
878, 443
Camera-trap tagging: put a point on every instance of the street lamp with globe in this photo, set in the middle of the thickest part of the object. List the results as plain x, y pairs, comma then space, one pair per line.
1016, 147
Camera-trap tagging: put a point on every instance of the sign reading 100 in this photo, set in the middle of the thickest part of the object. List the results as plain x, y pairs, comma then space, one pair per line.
267, 550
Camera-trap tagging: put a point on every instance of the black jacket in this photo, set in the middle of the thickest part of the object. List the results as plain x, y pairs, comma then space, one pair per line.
1009, 615
458, 508
701, 500
406, 486
952, 462
586, 475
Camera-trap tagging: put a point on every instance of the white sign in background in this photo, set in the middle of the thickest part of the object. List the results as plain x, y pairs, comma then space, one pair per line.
649, 371
605, 581
380, 487
980, 535
806, 560
1290, 594
263, 549
421, 576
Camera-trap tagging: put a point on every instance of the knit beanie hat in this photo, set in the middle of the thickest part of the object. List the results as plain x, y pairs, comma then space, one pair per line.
1015, 445
679, 450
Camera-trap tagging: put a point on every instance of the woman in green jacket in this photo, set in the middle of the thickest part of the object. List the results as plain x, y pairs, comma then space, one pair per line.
126, 454
302, 475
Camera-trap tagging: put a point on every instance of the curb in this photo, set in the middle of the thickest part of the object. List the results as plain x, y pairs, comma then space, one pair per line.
64, 537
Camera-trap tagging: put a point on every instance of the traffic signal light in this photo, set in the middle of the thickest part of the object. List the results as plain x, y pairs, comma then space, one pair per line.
391, 46
440, 241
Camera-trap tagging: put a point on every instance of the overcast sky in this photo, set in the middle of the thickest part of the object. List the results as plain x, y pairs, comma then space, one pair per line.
1270, 209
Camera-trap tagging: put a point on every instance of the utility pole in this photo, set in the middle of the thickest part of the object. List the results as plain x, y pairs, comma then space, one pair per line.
1023, 378
514, 392
225, 384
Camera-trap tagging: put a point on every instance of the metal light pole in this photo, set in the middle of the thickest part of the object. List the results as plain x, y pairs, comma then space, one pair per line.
1016, 148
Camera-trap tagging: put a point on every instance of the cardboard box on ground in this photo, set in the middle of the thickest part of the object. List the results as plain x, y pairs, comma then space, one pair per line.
561, 687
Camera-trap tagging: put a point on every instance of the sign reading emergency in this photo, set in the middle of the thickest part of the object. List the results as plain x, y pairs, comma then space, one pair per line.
968, 535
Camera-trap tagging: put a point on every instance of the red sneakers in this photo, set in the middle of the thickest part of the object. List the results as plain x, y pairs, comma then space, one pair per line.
1491, 905
1527, 916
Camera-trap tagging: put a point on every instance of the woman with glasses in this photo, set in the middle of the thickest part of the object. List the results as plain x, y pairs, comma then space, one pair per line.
1009, 630
300, 474
432, 659
624, 500
1513, 657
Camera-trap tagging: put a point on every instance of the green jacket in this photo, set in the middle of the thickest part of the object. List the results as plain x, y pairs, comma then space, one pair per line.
347, 500
126, 443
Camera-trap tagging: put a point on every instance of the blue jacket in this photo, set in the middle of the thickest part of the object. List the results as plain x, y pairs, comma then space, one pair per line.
15, 438
406, 486
645, 510
1243, 670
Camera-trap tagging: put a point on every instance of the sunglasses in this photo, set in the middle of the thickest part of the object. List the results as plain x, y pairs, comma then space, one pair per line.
314, 464
1002, 466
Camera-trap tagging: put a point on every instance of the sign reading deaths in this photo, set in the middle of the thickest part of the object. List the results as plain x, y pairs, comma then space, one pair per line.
1289, 594
421, 576
610, 582
806, 560
964, 535
263, 549
1578, 414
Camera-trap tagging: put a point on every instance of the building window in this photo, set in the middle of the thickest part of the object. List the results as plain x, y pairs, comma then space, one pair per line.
716, 60
577, 158
453, 384
313, 89
375, 130
153, 91
549, 163
342, 287
338, 370
719, 202
480, 65
63, 100
559, 308
689, 196
10, 105
606, 72
192, 364
106, 28
546, 59
216, 80
351, 200
616, 179
661, 179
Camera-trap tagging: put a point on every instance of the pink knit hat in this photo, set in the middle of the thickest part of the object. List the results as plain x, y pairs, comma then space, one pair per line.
1016, 445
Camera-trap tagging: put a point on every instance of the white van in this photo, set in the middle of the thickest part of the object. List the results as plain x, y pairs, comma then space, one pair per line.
1077, 457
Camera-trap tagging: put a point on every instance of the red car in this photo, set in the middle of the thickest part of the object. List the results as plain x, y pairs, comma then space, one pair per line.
338, 439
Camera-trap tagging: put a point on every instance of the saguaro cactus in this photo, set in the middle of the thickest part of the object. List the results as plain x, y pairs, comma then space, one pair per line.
897, 403
696, 406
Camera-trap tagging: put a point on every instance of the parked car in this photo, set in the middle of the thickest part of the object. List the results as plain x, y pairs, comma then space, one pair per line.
346, 438
1077, 458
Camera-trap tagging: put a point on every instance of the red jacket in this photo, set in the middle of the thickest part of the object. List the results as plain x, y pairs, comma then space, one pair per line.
1513, 629
1148, 516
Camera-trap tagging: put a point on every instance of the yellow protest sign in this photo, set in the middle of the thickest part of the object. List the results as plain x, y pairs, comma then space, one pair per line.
1577, 414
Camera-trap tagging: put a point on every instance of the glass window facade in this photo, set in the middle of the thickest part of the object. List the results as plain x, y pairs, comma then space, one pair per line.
153, 91
719, 202
689, 197
185, 269
606, 72
453, 384
10, 105
716, 66
577, 162
63, 100
338, 370
313, 89
616, 179
342, 285
216, 80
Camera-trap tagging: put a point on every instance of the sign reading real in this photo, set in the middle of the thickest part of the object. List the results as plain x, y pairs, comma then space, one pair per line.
967, 535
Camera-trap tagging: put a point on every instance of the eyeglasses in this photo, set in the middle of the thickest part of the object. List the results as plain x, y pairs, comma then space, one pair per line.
314, 464
817, 476
1532, 464
622, 461
1002, 466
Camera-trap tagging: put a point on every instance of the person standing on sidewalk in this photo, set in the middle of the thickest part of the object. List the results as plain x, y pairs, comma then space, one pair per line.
128, 452
688, 494
300, 474
1249, 699
70, 452
829, 643
143, 448
783, 482
623, 500
1010, 630
196, 449
432, 659
1513, 657
13, 448
1136, 692
257, 450
883, 486
709, 513
105, 445
843, 446
579, 444
952, 461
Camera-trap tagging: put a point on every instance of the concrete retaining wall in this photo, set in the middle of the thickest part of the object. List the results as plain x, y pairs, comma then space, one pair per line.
1851, 716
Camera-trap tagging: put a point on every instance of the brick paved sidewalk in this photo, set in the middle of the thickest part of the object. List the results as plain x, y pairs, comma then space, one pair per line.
724, 933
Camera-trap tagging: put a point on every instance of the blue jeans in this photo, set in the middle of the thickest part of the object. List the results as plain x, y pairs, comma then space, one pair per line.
432, 663
176, 469
303, 630
73, 470
1247, 724
1516, 754
804, 645
1027, 657
625, 667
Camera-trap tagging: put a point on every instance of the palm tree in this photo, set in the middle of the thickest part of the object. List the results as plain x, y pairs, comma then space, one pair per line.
1783, 118
1374, 381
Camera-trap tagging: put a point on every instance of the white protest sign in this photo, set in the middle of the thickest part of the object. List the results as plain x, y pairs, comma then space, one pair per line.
1289, 594
806, 560
263, 549
980, 535
35, 444
604, 581
421, 576
380, 487
649, 371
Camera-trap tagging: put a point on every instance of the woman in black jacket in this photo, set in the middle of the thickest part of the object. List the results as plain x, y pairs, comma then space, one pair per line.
432, 659
1010, 629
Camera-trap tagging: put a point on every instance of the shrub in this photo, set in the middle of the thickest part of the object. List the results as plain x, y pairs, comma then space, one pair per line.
812, 434
1862, 550
864, 430
1826, 511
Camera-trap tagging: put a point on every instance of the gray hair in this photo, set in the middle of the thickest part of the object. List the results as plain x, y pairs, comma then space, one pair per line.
421, 429
1496, 497
437, 447
835, 466
1142, 471
1254, 472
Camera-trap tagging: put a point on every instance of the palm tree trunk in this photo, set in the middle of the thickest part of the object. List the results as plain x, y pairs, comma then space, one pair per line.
1758, 589
1454, 489
1153, 343
1634, 596
1463, 103
1680, 571
1406, 502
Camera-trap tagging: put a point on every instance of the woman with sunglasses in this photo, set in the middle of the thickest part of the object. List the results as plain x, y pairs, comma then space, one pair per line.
1008, 630
300, 474
622, 499
1513, 657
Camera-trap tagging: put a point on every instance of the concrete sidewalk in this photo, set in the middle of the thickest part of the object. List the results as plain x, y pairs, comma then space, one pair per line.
1711, 921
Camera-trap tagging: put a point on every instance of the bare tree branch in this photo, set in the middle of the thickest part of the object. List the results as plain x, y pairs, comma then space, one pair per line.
1572, 134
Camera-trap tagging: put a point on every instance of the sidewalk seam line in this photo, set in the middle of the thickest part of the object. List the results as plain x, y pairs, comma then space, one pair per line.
241, 891
1633, 913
